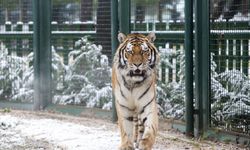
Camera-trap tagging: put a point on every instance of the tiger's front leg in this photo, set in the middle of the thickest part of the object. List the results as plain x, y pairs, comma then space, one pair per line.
148, 127
126, 126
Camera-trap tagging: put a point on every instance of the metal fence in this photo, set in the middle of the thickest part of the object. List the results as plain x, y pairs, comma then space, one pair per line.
230, 65
79, 26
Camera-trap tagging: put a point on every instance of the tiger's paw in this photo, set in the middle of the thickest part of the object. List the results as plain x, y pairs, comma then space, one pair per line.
146, 143
127, 147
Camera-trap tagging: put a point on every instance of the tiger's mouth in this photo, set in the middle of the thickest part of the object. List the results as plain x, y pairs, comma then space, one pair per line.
137, 72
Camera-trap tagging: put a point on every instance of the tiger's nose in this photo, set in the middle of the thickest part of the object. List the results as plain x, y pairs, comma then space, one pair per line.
138, 65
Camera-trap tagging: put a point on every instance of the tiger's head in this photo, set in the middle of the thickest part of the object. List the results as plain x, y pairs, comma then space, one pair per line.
138, 56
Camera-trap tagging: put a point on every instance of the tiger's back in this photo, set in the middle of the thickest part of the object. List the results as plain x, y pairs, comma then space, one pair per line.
134, 75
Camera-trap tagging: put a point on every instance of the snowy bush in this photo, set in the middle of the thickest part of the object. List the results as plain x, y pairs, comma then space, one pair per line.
26, 92
230, 97
171, 96
12, 69
88, 77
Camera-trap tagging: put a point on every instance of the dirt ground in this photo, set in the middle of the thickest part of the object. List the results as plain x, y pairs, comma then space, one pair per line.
22, 130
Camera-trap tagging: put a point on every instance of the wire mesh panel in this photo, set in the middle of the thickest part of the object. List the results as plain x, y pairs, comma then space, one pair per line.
16, 57
81, 53
166, 19
230, 65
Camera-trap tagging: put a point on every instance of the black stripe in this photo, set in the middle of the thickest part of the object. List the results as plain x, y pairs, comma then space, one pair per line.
144, 120
145, 91
122, 94
126, 107
153, 52
147, 105
152, 66
130, 118
121, 53
125, 83
121, 90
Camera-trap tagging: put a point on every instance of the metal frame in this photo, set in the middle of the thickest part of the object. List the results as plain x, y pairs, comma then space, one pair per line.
42, 53
114, 33
189, 68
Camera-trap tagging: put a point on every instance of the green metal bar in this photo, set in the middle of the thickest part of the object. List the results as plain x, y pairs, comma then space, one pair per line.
230, 53
205, 66
124, 6
222, 64
189, 68
198, 66
114, 33
163, 72
42, 53
238, 55
202, 70
7, 41
245, 55
19, 28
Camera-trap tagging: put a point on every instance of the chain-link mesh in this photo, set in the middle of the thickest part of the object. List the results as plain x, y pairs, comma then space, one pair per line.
16, 59
166, 19
81, 53
230, 64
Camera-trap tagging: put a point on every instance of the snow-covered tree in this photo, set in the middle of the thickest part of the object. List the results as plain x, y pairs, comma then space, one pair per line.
26, 92
171, 96
12, 69
88, 77
231, 97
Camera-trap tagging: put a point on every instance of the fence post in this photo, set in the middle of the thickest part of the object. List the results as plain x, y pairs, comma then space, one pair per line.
8, 41
114, 33
202, 71
124, 6
42, 53
19, 28
245, 59
206, 66
30, 39
189, 68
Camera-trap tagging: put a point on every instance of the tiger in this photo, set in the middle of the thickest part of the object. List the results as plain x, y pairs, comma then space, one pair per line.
134, 74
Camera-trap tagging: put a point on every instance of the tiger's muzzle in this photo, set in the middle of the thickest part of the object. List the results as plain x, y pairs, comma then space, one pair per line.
137, 72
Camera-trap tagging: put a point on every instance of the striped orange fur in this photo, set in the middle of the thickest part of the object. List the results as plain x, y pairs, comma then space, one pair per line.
134, 74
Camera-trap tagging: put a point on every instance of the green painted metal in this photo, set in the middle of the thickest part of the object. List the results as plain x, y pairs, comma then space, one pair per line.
124, 17
205, 66
114, 33
217, 134
75, 110
202, 72
42, 53
198, 67
189, 68
15, 105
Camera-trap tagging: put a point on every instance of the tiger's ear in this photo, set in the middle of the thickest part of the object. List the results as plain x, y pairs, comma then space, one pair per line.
151, 37
121, 37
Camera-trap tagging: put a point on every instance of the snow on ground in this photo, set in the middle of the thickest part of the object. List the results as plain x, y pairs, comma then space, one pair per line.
40, 131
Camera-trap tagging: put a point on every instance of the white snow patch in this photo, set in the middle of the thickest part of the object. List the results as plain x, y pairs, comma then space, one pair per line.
8, 137
71, 136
